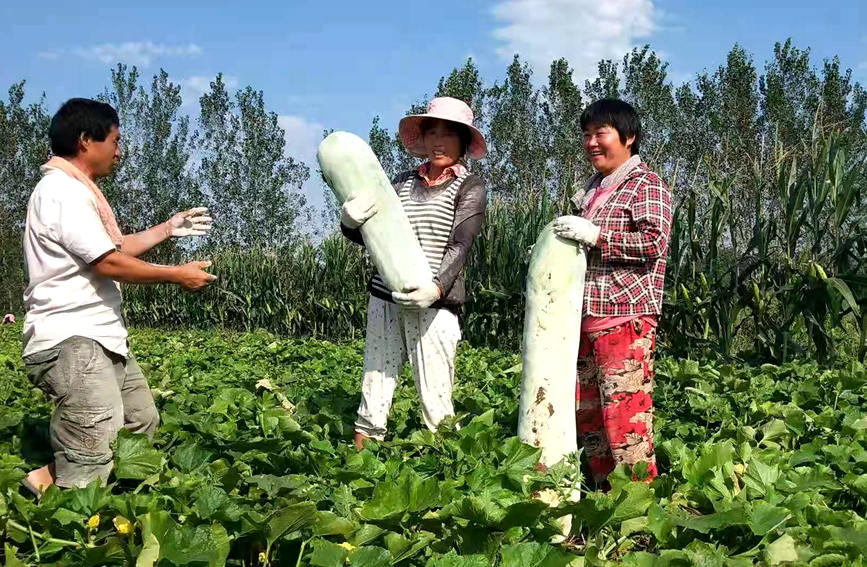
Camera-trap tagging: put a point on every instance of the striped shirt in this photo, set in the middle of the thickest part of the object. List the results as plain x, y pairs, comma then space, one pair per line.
431, 215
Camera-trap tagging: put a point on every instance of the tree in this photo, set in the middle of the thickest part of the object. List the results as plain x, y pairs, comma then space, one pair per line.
154, 179
251, 185
606, 85
646, 87
561, 111
790, 94
23, 148
517, 160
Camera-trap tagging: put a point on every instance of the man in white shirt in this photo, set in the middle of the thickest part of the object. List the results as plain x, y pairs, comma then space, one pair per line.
75, 339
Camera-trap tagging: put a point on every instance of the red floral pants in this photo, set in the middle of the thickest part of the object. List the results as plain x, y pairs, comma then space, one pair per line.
615, 409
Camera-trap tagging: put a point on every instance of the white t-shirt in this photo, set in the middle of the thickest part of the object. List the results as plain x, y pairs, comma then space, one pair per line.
65, 297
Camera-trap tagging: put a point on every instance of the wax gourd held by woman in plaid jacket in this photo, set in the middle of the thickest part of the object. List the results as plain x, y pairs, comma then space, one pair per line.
623, 217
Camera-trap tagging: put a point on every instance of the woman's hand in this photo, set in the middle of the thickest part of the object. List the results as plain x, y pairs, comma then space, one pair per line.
421, 297
357, 211
578, 229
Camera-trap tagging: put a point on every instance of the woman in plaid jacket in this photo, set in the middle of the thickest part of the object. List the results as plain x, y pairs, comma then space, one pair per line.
623, 217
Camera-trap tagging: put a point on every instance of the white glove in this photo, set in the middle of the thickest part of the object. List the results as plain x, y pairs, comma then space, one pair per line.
578, 229
421, 297
358, 210
193, 222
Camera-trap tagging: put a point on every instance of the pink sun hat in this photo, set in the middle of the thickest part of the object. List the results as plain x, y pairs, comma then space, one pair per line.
444, 108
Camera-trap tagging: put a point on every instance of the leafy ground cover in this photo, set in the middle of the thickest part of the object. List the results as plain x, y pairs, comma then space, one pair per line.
253, 466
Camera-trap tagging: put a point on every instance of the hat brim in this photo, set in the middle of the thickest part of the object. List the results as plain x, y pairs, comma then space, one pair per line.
409, 131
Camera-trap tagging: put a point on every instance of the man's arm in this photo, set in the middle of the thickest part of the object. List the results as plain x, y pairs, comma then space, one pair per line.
137, 244
124, 268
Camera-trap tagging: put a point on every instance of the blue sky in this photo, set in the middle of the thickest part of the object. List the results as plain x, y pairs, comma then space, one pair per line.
337, 64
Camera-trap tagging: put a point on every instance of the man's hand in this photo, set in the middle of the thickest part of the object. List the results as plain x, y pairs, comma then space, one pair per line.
192, 276
193, 222
421, 297
577, 228
357, 211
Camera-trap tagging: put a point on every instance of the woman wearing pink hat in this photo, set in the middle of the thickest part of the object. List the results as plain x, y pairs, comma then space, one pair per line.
445, 205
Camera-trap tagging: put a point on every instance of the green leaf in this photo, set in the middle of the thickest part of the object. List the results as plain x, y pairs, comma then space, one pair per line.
366, 534
854, 536
534, 555
402, 548
327, 554
90, 499
452, 559
844, 290
67, 517
11, 559
290, 519
135, 457
150, 552
410, 493
633, 501
634, 525
369, 557
213, 503
765, 518
761, 477
781, 551
191, 456
329, 523
183, 544
275, 485
660, 523
708, 522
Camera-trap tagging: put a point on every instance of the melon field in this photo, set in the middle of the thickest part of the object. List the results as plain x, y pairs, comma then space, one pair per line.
253, 465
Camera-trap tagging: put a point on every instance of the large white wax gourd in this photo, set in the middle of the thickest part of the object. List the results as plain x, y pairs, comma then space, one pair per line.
552, 330
350, 168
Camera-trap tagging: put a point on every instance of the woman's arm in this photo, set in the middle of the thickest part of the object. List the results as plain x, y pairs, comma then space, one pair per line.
651, 213
469, 218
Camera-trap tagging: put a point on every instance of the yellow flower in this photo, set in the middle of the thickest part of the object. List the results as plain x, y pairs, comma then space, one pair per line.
347, 546
263, 559
122, 525
93, 522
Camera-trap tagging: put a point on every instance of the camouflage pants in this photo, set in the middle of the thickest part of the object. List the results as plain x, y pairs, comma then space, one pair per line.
614, 405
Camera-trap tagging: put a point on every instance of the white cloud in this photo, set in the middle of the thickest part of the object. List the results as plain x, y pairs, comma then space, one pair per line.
140, 53
302, 139
582, 31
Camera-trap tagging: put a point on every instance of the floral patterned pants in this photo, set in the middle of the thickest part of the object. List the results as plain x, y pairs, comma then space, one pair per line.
614, 405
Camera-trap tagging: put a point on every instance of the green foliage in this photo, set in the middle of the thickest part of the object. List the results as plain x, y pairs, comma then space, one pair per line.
253, 465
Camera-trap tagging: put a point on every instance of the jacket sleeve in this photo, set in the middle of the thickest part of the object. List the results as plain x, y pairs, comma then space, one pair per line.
651, 215
469, 217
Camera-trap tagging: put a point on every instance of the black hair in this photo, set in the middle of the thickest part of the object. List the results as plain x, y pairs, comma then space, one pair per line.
79, 116
464, 134
618, 114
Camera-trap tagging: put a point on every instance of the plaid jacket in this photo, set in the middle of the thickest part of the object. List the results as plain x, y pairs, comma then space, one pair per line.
626, 270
